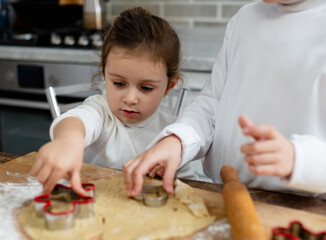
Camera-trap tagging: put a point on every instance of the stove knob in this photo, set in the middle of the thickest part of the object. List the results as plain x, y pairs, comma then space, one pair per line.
69, 40
83, 40
55, 39
97, 41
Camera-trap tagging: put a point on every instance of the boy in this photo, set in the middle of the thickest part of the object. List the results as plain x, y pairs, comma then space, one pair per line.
271, 69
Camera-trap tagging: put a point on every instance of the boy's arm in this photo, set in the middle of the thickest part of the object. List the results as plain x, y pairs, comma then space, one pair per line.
299, 161
166, 153
310, 164
194, 129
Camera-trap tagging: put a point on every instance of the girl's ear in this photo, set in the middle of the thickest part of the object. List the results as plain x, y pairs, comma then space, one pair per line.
172, 84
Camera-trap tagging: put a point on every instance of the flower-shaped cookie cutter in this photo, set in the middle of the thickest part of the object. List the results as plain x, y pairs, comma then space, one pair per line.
152, 196
296, 231
82, 206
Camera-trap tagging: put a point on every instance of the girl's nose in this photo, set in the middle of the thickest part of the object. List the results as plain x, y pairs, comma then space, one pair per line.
131, 97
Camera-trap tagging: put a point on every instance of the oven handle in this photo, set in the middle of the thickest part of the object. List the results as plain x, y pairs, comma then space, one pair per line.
24, 103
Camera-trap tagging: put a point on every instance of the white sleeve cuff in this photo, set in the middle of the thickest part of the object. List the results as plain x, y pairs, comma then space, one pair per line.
189, 139
310, 164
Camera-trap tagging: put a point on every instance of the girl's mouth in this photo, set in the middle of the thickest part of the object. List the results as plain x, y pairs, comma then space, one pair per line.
129, 113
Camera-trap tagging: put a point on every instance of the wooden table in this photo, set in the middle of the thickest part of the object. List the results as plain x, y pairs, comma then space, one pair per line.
309, 204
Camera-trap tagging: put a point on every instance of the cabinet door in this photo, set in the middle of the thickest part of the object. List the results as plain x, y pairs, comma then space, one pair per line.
23, 130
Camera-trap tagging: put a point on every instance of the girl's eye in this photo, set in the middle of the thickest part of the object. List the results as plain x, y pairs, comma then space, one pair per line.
146, 89
119, 84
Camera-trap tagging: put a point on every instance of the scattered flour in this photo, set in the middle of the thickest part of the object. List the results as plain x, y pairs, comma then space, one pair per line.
12, 196
220, 229
12, 174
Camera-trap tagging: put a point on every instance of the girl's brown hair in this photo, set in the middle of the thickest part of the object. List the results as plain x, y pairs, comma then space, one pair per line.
139, 31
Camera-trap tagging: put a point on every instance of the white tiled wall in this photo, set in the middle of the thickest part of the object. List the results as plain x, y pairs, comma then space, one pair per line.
186, 13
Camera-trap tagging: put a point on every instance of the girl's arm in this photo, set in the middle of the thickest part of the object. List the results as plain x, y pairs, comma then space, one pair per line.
63, 155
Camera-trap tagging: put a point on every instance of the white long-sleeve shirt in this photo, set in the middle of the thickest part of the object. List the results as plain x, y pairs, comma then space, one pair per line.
109, 142
271, 69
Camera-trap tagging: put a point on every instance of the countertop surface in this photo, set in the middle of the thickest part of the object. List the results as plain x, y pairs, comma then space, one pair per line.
84, 56
309, 204
199, 51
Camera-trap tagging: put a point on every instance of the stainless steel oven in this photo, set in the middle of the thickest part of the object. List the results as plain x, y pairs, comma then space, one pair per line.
24, 112
42, 43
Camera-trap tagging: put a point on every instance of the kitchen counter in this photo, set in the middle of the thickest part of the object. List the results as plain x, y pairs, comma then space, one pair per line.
199, 50
47, 54
274, 209
84, 56
309, 204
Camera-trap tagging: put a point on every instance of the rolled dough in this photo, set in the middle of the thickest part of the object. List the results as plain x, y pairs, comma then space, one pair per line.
118, 217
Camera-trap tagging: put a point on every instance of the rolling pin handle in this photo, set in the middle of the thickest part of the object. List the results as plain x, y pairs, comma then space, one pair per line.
242, 215
228, 174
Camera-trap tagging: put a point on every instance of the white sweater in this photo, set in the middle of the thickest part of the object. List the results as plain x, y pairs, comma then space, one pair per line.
272, 69
109, 142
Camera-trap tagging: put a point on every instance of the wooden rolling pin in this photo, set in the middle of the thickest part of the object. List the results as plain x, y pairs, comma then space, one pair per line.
240, 208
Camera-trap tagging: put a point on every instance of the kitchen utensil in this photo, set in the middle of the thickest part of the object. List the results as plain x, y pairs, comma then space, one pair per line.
70, 2
93, 15
296, 231
240, 208
82, 206
153, 196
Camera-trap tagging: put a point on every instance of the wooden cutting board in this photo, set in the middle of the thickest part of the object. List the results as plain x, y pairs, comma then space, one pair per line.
18, 170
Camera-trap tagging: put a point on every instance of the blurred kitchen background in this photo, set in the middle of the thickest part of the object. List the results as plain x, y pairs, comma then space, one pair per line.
56, 43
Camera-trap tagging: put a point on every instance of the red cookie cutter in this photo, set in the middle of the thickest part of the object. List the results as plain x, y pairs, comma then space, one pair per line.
82, 206
296, 231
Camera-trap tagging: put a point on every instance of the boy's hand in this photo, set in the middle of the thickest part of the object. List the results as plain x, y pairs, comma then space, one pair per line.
156, 170
270, 154
55, 159
165, 154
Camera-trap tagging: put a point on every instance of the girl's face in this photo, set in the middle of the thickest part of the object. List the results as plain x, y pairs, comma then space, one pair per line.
135, 85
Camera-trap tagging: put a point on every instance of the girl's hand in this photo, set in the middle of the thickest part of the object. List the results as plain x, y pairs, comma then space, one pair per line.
55, 159
165, 154
270, 154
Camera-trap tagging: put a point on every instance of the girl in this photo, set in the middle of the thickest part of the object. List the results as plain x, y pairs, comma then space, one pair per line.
272, 70
140, 62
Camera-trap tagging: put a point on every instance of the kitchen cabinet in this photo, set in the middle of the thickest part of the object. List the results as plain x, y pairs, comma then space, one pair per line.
22, 130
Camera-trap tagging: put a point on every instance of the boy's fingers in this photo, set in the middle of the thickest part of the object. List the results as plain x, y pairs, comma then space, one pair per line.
76, 183
128, 169
137, 176
267, 169
261, 146
128, 163
138, 181
244, 122
169, 176
160, 172
263, 131
261, 159
155, 170
246, 126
